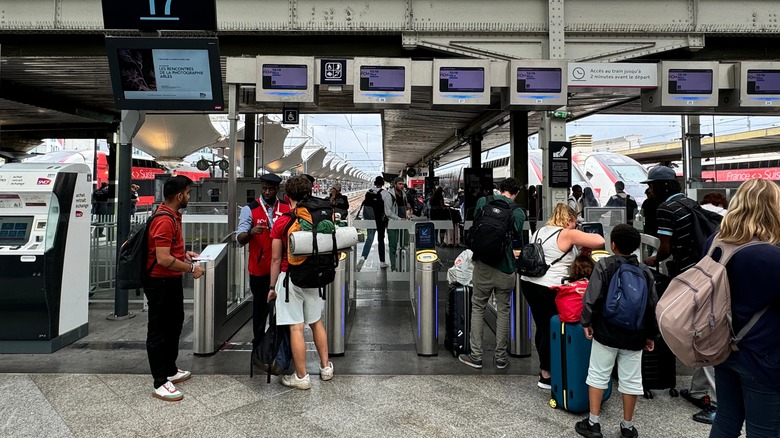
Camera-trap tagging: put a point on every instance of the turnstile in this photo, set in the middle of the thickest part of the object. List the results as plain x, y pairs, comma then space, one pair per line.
520, 332
337, 307
217, 315
425, 303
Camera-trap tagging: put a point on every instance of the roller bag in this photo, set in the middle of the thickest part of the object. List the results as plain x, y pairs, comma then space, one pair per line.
457, 319
659, 367
569, 359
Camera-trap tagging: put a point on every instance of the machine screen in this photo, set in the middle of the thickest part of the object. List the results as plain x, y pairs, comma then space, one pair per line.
285, 77
15, 230
532, 80
461, 79
690, 81
424, 236
763, 81
376, 78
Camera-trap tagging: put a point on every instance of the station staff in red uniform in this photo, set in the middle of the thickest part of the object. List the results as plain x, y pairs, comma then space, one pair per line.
254, 228
164, 289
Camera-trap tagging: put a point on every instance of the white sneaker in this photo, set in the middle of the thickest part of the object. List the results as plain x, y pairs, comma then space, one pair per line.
293, 381
360, 262
383, 265
180, 376
168, 392
327, 372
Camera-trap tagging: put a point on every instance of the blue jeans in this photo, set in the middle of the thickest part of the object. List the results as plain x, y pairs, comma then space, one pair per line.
370, 242
742, 397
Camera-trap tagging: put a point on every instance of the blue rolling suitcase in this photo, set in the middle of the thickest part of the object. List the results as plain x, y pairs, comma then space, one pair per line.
569, 359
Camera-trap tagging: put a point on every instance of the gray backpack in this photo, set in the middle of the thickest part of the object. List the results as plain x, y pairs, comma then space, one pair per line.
694, 314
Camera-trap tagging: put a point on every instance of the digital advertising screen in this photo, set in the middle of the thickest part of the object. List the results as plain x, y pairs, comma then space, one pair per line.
461, 79
690, 81
285, 76
161, 73
382, 78
539, 79
763, 81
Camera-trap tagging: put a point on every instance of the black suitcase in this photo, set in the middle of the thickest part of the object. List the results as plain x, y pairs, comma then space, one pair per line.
659, 367
457, 319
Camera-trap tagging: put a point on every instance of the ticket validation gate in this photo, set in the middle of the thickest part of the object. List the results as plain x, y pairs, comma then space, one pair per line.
339, 304
425, 297
520, 332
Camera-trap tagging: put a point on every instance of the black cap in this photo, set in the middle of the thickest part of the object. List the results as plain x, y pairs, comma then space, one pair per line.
309, 177
271, 178
379, 181
660, 173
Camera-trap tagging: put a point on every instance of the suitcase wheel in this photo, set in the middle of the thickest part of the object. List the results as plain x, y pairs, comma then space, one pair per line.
648, 394
553, 403
454, 353
673, 392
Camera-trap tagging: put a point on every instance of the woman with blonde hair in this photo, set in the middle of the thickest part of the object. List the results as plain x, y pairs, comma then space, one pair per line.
748, 381
559, 239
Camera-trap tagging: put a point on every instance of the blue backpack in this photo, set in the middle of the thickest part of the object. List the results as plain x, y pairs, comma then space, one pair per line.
627, 298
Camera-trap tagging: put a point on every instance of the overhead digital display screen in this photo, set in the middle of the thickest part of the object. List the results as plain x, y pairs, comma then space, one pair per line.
763, 81
461, 79
285, 76
683, 81
382, 78
15, 230
539, 79
165, 73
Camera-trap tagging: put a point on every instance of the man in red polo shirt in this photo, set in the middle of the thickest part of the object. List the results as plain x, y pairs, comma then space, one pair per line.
164, 289
254, 228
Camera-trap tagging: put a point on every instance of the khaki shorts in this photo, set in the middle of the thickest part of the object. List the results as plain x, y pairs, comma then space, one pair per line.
305, 305
629, 363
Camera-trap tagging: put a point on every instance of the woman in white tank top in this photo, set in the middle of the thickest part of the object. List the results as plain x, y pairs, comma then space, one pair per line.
561, 239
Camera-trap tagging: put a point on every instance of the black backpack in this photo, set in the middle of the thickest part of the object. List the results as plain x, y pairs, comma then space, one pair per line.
273, 355
704, 223
131, 269
628, 202
318, 269
491, 234
373, 207
531, 261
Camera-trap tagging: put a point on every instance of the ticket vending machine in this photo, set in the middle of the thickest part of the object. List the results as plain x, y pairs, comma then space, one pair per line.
44, 263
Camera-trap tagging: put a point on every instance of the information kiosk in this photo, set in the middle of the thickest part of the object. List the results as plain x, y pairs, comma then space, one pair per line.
425, 301
44, 234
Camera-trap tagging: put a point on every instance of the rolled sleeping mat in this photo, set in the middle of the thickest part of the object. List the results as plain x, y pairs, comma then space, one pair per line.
301, 241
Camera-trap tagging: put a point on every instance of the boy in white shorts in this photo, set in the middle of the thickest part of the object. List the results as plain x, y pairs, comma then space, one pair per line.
610, 341
304, 305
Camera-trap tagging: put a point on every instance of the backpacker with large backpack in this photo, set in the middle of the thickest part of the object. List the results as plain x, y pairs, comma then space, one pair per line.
373, 206
318, 269
131, 266
491, 234
694, 315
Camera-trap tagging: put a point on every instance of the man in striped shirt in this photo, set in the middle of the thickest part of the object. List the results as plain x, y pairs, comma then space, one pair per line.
675, 231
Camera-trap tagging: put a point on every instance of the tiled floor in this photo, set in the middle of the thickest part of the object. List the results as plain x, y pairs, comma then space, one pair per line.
100, 386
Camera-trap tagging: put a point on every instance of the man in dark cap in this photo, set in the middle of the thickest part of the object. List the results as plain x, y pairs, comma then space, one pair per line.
674, 219
254, 228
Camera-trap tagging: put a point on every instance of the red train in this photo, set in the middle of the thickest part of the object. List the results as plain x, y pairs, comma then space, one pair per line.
143, 170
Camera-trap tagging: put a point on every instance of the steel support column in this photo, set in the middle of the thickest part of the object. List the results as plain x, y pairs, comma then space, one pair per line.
250, 146
692, 155
129, 126
475, 145
233, 99
518, 153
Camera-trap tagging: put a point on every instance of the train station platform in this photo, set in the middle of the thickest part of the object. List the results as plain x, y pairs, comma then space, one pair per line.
101, 386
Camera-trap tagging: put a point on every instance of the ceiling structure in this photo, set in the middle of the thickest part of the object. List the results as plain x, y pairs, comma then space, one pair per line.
54, 79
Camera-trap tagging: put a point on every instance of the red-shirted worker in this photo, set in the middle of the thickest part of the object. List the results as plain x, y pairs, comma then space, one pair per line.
164, 289
254, 228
